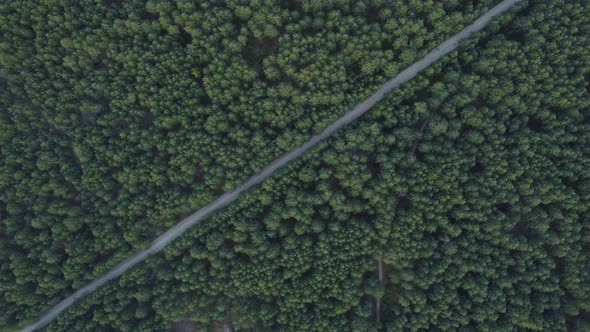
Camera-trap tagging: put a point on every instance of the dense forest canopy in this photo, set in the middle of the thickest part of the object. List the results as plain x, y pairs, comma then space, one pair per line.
138, 113
471, 182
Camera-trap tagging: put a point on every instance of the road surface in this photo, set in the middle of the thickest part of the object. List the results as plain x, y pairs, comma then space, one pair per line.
173, 233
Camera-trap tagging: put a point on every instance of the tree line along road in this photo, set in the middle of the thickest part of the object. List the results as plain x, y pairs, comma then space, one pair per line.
173, 233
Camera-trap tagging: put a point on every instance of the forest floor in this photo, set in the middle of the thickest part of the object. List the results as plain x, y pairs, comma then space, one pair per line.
173, 233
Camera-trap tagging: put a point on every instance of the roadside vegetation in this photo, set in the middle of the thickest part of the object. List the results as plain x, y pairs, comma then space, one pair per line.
122, 117
471, 182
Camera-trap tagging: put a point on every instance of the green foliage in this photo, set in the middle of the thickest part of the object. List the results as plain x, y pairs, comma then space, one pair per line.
131, 114
496, 238
471, 182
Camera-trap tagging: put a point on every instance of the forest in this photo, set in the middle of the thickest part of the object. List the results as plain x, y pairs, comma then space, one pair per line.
471, 182
146, 125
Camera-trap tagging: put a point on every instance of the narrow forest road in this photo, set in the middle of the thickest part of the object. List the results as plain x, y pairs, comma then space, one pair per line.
378, 302
173, 233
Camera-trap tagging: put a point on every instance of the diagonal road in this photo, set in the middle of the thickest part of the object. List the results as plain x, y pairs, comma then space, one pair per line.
173, 233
